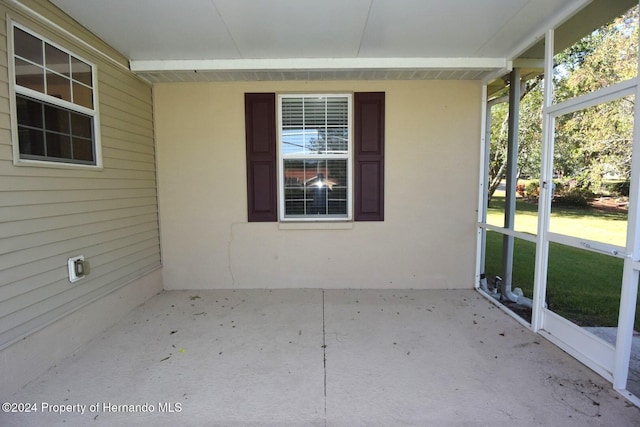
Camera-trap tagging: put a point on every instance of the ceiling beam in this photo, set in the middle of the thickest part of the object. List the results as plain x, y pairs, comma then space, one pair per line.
318, 64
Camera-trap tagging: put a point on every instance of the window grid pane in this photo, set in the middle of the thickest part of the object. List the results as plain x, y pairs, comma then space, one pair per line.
58, 145
29, 75
82, 95
31, 142
81, 72
58, 86
315, 188
315, 125
57, 60
27, 46
47, 129
35, 59
47, 132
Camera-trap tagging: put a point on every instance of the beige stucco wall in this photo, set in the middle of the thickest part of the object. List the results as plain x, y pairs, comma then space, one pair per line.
431, 172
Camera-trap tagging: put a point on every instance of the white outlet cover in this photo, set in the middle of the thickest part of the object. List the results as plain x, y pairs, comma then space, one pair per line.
73, 277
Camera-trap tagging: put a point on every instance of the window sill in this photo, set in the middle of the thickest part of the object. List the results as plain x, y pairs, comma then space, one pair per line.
306, 225
56, 165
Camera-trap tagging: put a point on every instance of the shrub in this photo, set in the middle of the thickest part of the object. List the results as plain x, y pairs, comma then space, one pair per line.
532, 190
576, 196
621, 188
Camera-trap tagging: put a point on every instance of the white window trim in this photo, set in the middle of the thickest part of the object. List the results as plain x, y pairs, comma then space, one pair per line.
282, 157
15, 89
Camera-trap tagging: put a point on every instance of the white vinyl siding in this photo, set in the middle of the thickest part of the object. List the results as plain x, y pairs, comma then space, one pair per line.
50, 214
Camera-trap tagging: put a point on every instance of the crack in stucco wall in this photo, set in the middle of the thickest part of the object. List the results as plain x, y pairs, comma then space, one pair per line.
229, 259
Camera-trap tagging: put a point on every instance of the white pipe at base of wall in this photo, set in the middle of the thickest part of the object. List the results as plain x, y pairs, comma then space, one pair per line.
505, 292
484, 286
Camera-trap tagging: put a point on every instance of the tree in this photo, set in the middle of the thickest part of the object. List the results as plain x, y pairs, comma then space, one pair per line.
590, 143
529, 138
597, 141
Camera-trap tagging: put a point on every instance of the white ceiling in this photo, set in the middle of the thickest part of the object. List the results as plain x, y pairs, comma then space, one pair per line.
318, 39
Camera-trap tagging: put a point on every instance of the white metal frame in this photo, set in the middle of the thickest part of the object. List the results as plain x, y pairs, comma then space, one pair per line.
607, 360
612, 362
631, 272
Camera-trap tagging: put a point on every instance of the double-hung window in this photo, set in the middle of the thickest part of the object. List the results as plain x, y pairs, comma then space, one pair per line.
315, 157
314, 146
56, 118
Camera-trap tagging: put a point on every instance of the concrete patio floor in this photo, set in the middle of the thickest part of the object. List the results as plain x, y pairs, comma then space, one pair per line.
313, 357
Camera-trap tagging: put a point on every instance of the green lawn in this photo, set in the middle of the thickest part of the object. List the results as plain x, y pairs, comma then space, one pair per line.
601, 226
582, 286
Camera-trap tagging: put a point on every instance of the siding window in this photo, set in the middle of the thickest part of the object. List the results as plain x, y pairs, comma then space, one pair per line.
321, 159
55, 105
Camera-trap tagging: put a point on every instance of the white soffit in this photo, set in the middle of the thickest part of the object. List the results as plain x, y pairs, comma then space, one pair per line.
168, 40
319, 69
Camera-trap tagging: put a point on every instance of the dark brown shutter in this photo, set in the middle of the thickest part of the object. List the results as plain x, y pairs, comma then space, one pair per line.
369, 156
260, 127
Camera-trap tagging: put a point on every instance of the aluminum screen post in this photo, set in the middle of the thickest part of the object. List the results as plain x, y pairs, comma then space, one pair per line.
511, 177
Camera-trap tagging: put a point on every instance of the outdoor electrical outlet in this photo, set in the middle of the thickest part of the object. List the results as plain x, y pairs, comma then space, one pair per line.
77, 268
